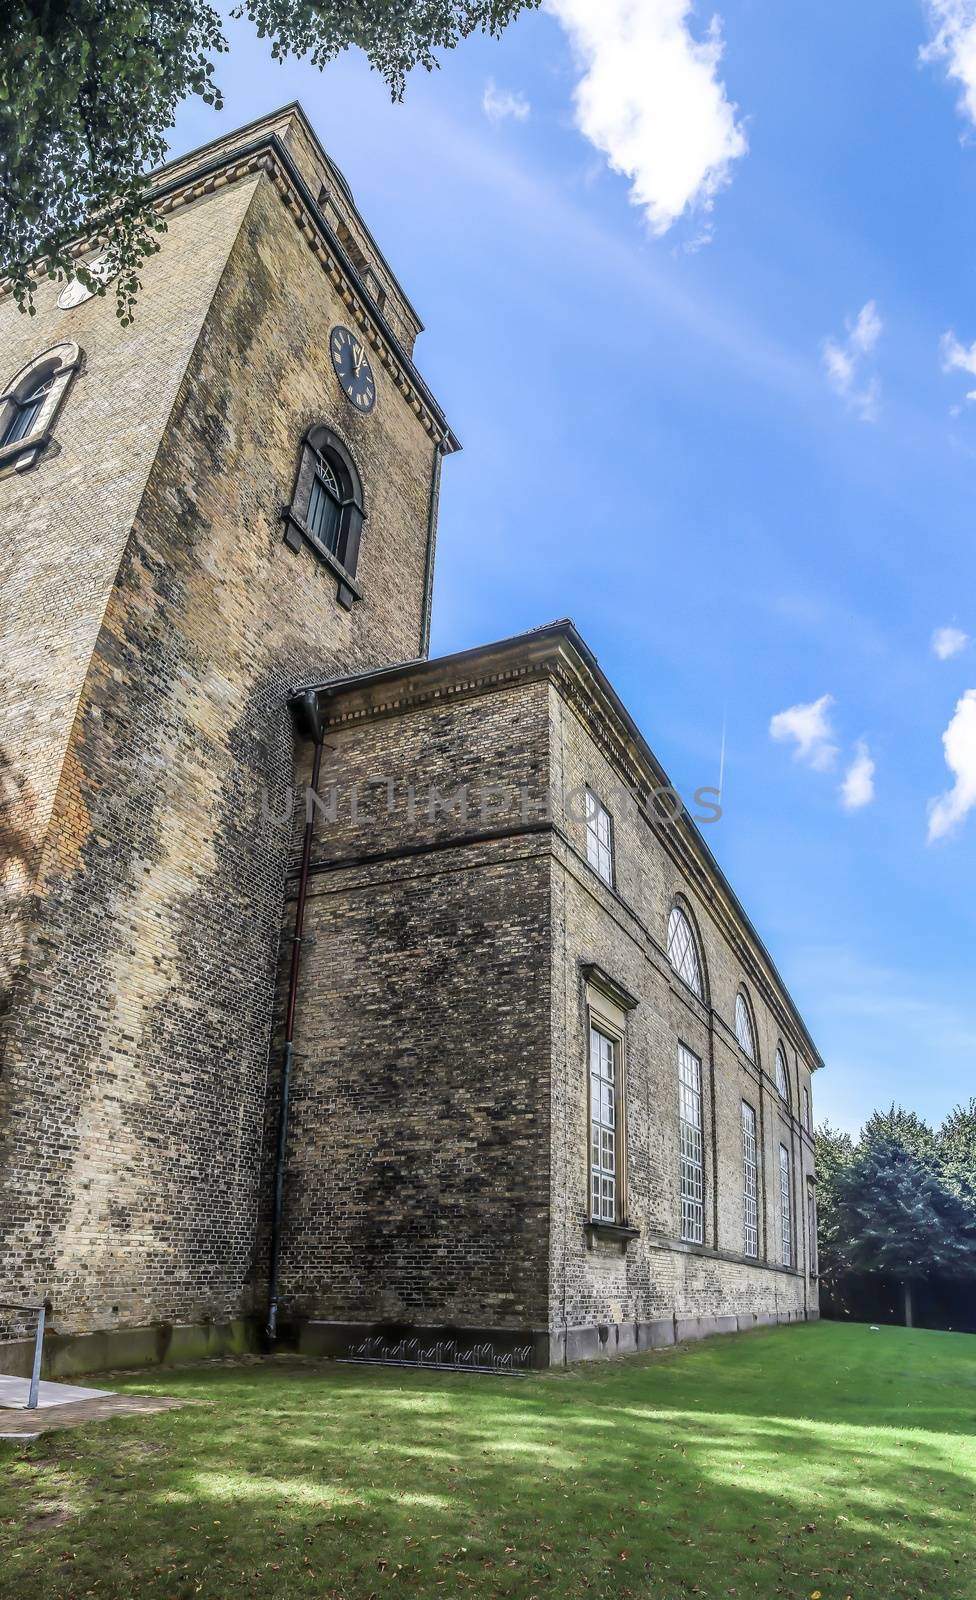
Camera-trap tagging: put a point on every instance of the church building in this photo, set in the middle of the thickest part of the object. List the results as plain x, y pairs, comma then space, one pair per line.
371, 1005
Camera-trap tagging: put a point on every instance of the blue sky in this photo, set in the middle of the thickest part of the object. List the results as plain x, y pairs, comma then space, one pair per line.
716, 428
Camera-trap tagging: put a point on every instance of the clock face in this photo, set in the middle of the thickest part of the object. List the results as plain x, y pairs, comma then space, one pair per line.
352, 369
75, 294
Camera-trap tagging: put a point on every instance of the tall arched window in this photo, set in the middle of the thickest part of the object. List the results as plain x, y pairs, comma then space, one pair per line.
782, 1081
744, 1031
326, 511
683, 951
30, 404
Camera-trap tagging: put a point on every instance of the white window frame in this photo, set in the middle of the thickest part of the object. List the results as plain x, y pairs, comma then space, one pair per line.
812, 1230
604, 1122
807, 1114
683, 952
691, 1147
786, 1205
60, 363
750, 1183
782, 1072
745, 1030
599, 838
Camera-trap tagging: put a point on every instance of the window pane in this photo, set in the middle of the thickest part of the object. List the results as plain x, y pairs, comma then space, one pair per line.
324, 514
599, 838
22, 419
682, 952
750, 1182
782, 1082
743, 1027
786, 1205
691, 1162
603, 1118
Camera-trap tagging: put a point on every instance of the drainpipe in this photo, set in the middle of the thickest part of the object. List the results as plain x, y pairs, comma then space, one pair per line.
432, 507
305, 708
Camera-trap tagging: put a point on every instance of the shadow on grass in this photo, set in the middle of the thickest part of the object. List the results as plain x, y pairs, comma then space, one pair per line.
815, 1460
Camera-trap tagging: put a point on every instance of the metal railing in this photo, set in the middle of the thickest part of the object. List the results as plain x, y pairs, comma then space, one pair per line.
40, 1312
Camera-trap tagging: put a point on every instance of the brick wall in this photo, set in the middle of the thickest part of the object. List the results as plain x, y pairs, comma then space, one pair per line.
133, 1091
424, 1004
417, 1169
624, 930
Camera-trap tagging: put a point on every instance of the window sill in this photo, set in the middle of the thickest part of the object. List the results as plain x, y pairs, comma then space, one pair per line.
347, 590
612, 1232
22, 453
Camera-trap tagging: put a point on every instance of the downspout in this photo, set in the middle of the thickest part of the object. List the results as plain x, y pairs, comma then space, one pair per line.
307, 716
432, 506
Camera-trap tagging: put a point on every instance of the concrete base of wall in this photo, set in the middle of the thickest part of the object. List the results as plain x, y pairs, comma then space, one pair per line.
68, 1355
503, 1349
621, 1338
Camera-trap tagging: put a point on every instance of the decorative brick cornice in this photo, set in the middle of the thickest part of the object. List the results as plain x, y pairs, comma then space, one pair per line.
268, 156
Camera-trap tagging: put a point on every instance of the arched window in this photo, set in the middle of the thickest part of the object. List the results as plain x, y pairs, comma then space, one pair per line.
683, 951
24, 409
326, 511
744, 1031
782, 1081
30, 404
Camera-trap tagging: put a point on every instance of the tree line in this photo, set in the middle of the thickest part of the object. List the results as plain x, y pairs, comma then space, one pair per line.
898, 1205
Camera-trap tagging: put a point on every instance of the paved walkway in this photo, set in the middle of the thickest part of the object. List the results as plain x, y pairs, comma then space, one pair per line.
16, 1392
28, 1424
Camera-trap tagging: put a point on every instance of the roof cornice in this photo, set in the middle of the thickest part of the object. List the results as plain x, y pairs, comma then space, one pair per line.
268, 154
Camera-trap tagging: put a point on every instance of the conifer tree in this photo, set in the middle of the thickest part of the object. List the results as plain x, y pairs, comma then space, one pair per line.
895, 1213
956, 1145
834, 1154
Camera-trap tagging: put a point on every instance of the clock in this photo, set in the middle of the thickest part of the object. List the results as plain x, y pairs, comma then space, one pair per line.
75, 293
352, 369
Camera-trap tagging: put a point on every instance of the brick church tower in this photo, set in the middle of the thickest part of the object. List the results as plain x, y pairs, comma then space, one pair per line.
233, 495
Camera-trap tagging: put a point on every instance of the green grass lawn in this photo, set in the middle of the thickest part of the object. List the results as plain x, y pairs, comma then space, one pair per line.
820, 1460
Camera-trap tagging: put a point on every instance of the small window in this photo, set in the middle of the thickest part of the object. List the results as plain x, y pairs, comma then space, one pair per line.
786, 1206
807, 1119
30, 404
683, 951
691, 1147
326, 512
599, 838
604, 1070
743, 1027
782, 1081
325, 506
25, 410
750, 1182
812, 1229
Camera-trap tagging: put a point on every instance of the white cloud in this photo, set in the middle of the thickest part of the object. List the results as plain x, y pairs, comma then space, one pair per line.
954, 42
497, 104
959, 742
651, 99
948, 642
857, 789
958, 357
810, 729
844, 363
